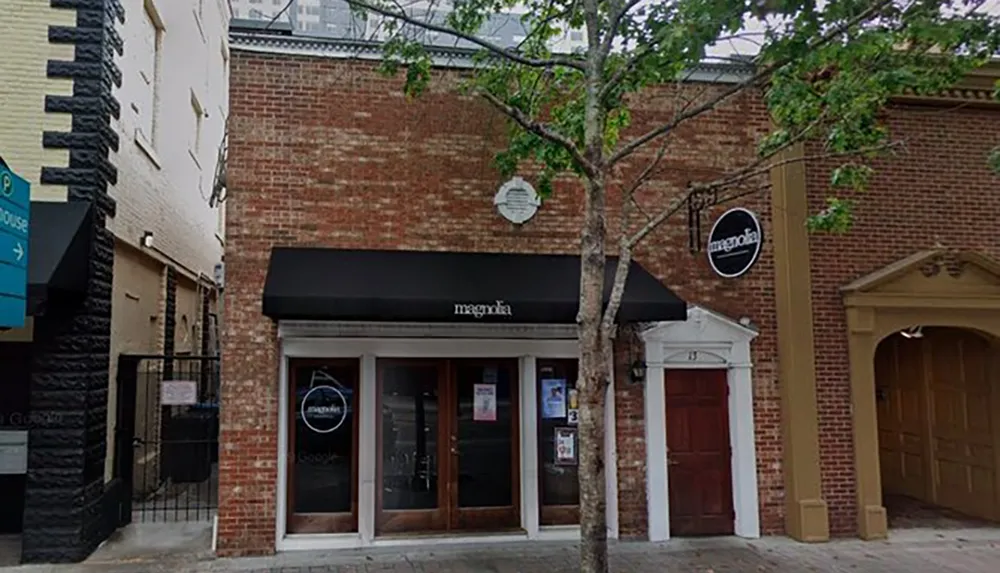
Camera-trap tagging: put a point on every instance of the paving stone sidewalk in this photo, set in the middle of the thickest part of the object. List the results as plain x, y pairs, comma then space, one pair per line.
918, 552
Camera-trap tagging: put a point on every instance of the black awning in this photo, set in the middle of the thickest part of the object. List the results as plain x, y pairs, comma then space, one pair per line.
58, 254
422, 286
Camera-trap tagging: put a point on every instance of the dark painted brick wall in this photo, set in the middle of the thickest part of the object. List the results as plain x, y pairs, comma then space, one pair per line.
68, 394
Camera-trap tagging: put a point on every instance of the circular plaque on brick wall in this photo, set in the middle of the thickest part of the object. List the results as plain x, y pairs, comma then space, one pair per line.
517, 200
734, 243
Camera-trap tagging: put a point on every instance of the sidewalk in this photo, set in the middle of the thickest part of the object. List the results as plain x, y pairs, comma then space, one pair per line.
917, 551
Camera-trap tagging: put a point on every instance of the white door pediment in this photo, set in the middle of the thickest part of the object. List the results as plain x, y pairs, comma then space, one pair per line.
705, 340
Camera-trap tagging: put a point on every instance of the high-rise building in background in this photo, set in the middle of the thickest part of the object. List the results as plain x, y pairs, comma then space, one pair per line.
334, 18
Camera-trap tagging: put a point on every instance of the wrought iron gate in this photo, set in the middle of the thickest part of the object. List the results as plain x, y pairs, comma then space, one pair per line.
167, 436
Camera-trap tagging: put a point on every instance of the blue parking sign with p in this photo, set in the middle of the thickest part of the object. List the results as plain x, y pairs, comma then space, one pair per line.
15, 223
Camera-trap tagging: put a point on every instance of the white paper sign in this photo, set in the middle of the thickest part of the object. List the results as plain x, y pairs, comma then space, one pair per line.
13, 452
484, 403
565, 446
179, 393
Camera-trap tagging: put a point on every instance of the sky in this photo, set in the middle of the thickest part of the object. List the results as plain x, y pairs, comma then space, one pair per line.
503, 31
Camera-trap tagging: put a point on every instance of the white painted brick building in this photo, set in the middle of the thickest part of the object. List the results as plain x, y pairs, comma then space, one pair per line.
168, 238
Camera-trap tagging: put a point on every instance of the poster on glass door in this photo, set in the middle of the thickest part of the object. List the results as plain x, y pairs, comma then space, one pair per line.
554, 398
565, 443
484, 403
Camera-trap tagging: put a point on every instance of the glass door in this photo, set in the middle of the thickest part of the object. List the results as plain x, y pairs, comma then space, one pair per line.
486, 464
323, 446
558, 479
412, 443
448, 454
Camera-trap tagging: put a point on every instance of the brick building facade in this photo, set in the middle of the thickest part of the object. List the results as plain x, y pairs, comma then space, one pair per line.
328, 163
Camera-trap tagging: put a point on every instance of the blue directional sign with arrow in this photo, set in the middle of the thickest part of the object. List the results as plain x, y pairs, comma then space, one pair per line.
15, 211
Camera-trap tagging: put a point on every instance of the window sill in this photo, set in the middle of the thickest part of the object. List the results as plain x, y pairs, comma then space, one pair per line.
147, 148
194, 158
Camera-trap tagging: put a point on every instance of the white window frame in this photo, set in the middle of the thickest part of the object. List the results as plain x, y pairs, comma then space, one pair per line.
148, 141
369, 341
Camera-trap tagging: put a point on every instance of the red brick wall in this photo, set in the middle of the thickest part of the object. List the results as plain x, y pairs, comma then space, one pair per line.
940, 190
328, 153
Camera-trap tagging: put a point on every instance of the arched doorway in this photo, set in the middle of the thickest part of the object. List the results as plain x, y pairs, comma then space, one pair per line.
934, 288
936, 390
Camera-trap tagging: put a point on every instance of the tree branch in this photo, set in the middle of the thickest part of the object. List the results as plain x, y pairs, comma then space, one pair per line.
744, 174
661, 153
619, 75
498, 50
541, 130
621, 269
613, 23
762, 74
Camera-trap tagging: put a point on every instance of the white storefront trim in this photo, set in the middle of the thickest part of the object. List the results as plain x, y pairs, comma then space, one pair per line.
712, 341
315, 340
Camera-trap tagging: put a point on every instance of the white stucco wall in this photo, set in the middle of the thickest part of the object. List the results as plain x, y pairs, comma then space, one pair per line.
167, 164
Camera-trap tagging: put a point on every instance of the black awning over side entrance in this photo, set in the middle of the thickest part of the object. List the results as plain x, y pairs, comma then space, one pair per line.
59, 253
424, 286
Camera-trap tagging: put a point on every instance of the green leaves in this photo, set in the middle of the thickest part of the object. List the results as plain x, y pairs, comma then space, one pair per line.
852, 175
994, 160
836, 218
827, 72
402, 51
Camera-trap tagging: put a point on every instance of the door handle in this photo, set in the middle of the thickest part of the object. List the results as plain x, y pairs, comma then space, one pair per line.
454, 451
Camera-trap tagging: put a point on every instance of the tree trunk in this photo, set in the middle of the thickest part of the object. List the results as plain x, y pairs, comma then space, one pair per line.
592, 384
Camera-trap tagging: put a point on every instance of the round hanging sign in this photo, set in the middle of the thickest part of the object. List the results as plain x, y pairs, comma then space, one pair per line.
324, 409
734, 242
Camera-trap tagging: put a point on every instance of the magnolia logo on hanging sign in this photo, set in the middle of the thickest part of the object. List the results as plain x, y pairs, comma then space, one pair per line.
498, 308
734, 243
749, 238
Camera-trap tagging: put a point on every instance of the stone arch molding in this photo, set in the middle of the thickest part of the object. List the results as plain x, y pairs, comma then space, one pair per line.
706, 340
936, 287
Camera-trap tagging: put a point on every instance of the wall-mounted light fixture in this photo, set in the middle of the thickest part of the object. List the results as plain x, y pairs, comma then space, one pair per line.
913, 332
637, 371
147, 239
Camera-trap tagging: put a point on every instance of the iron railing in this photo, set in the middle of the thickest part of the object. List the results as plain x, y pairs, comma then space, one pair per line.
166, 435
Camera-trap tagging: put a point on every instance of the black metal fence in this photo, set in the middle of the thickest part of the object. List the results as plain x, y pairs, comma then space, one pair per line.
167, 437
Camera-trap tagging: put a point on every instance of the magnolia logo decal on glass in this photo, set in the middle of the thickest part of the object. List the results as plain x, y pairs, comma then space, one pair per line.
324, 407
734, 243
498, 308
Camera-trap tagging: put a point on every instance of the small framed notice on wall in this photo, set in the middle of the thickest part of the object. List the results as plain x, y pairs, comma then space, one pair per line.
178, 393
565, 444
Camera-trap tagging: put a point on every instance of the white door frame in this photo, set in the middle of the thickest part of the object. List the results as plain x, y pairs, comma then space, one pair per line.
338, 340
711, 341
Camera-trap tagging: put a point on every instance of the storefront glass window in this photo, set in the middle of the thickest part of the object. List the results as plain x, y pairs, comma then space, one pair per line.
558, 442
323, 437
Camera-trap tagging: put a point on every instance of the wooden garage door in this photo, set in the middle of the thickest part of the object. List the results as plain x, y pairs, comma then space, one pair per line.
937, 433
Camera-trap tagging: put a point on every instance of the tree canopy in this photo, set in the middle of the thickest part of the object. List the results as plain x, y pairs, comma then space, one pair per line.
825, 69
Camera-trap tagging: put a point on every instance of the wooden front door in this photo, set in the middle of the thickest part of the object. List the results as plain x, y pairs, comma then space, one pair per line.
448, 455
699, 467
